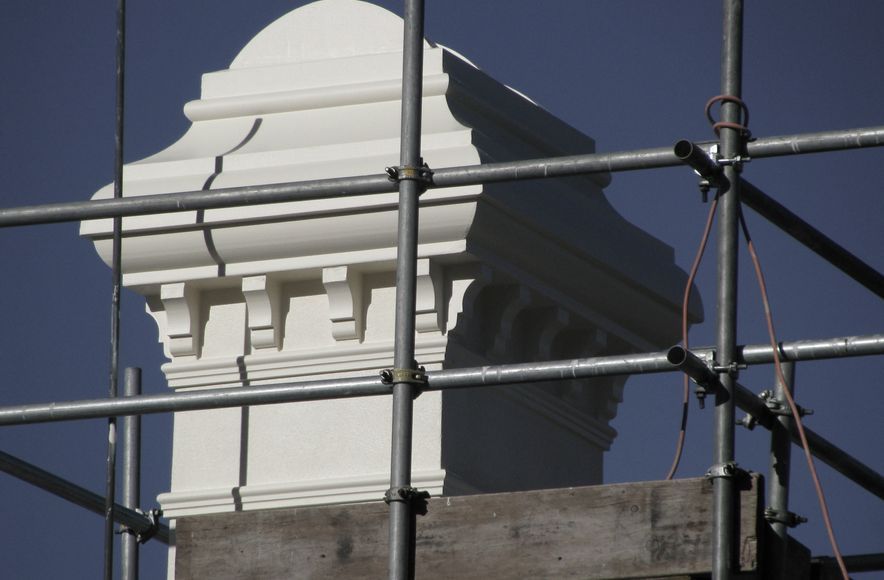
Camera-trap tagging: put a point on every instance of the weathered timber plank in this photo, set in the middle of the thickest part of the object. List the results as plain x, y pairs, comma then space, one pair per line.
651, 529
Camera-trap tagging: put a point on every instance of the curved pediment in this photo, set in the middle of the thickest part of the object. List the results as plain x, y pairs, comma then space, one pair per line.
323, 31
316, 95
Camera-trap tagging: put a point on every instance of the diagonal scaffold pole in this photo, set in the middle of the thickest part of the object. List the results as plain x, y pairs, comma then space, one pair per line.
401, 496
723, 470
779, 215
134, 520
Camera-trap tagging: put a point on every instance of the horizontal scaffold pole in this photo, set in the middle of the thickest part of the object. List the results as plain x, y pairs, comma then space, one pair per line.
442, 177
133, 520
645, 363
855, 563
497, 375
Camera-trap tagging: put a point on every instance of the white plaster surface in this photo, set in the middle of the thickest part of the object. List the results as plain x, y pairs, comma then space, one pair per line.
305, 290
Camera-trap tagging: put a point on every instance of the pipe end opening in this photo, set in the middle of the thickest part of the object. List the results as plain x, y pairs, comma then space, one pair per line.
683, 149
677, 355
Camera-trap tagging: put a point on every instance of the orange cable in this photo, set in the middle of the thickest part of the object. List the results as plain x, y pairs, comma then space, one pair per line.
794, 409
679, 448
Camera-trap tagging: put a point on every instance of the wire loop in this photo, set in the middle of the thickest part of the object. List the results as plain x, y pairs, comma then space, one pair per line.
743, 127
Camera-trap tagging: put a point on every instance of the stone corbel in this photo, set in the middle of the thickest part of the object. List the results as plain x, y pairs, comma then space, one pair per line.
559, 320
343, 286
430, 303
518, 299
263, 305
181, 302
596, 342
584, 341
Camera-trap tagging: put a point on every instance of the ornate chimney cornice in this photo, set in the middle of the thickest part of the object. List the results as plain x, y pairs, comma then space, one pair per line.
301, 290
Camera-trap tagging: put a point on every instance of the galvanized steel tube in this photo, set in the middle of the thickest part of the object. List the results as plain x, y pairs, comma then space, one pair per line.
499, 375
833, 456
78, 495
724, 488
130, 495
605, 366
818, 142
814, 349
778, 473
812, 238
116, 291
782, 217
694, 156
402, 532
595, 163
854, 563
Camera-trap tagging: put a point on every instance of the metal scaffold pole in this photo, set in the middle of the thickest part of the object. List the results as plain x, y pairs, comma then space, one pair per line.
116, 267
400, 496
545, 168
778, 475
723, 469
145, 525
487, 376
131, 475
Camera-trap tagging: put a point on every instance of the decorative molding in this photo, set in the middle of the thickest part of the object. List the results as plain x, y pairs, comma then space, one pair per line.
306, 99
564, 416
343, 286
292, 494
269, 366
263, 307
553, 326
181, 301
503, 274
518, 299
430, 292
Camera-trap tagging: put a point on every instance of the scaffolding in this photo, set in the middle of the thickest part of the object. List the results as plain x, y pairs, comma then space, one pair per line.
719, 166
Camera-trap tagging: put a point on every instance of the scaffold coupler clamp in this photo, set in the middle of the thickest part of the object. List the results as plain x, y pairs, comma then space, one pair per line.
416, 498
732, 370
788, 518
728, 470
702, 388
777, 407
153, 518
748, 421
415, 377
422, 174
706, 182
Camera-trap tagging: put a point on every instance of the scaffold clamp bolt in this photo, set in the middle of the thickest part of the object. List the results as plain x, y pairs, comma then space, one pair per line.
732, 369
784, 517
413, 376
748, 421
423, 174
416, 498
723, 470
777, 407
153, 517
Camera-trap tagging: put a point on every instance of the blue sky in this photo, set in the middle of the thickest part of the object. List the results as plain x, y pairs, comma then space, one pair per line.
630, 73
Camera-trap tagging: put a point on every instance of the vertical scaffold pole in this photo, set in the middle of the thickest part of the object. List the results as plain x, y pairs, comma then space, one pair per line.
131, 475
401, 506
723, 471
116, 274
778, 476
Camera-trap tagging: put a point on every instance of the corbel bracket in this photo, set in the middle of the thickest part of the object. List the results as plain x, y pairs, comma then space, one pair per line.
263, 305
343, 286
181, 302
